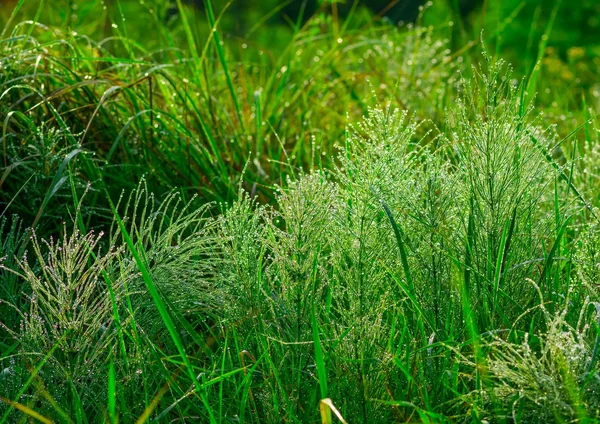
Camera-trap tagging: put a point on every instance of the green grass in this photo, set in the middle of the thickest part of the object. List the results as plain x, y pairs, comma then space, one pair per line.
360, 223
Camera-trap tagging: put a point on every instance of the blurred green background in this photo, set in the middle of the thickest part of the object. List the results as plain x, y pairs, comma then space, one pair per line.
271, 23
513, 29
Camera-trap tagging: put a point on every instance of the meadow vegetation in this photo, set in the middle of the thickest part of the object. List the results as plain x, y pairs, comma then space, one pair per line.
333, 219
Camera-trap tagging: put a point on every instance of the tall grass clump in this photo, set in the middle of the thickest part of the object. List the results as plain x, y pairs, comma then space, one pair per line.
66, 328
505, 185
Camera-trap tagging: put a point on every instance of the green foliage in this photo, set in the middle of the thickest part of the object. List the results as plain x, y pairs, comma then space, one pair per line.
285, 245
551, 376
68, 312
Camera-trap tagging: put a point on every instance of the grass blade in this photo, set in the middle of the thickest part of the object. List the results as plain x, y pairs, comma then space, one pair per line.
221, 53
26, 410
112, 392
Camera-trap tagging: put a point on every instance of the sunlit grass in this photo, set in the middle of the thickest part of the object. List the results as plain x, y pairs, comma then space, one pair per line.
370, 225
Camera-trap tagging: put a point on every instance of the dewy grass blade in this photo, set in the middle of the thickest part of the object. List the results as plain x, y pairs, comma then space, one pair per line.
188, 33
112, 392
319, 357
409, 289
258, 120
414, 302
401, 247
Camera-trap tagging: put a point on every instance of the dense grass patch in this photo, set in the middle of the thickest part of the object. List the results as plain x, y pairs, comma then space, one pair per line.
370, 223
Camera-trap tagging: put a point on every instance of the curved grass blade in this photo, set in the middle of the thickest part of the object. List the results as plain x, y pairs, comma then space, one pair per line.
221, 52
27, 410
